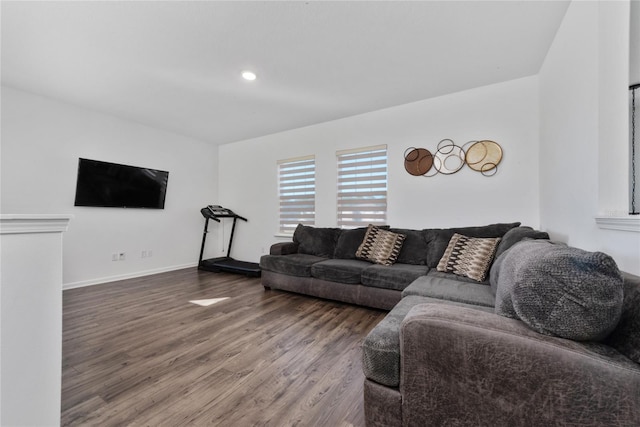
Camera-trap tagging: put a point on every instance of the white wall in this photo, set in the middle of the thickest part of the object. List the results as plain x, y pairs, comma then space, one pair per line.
506, 113
42, 140
634, 43
583, 130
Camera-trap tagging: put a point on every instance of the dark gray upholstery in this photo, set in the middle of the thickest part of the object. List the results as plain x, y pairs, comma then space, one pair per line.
517, 234
494, 272
283, 248
347, 271
381, 347
414, 247
390, 280
318, 241
464, 367
384, 299
384, 405
396, 276
443, 274
626, 337
451, 289
437, 239
560, 290
293, 264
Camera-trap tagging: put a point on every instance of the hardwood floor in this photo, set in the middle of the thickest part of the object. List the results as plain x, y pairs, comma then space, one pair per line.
136, 352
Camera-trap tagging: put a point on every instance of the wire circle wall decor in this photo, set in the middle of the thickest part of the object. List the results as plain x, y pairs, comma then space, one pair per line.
481, 156
449, 157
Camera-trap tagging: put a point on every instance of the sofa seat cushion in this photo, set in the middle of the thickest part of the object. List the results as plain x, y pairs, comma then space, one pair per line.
293, 264
396, 276
451, 276
346, 271
381, 347
451, 289
560, 290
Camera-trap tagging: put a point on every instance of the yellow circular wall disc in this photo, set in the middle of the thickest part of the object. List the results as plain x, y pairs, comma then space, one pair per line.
483, 156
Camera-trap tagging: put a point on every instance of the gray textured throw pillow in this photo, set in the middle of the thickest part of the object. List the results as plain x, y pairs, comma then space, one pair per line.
560, 290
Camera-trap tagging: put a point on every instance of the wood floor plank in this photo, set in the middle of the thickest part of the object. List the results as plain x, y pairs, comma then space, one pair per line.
137, 352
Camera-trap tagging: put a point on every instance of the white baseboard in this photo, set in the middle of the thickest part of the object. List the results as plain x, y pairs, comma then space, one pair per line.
133, 275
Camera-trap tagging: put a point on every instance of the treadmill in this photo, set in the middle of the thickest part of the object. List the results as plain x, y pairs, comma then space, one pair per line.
226, 264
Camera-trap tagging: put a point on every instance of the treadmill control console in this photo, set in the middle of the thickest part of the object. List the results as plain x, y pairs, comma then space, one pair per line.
216, 211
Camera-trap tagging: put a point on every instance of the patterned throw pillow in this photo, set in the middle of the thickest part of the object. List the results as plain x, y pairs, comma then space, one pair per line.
380, 246
469, 256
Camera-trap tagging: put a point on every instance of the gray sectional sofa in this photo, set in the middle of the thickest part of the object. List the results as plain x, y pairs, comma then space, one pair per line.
322, 262
551, 336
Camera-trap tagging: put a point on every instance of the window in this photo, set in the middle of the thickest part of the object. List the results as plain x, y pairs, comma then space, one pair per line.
362, 186
297, 190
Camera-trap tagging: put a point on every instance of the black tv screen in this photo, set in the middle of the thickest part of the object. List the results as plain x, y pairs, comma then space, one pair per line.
113, 185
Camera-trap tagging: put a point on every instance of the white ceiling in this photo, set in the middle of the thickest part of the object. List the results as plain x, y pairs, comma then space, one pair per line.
177, 65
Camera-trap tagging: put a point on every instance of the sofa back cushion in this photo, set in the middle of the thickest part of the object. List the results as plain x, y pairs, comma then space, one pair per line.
517, 234
559, 290
414, 248
438, 239
626, 337
350, 240
348, 243
316, 241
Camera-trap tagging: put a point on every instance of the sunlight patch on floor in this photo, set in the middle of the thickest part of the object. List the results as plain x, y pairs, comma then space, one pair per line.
207, 302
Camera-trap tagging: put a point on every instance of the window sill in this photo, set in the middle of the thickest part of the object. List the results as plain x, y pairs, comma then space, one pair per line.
620, 223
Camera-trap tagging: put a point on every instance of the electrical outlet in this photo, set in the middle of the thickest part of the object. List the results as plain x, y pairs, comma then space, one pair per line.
149, 253
114, 256
122, 256
143, 254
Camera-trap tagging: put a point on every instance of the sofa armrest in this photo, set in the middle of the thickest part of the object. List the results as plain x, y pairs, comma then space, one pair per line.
461, 366
284, 248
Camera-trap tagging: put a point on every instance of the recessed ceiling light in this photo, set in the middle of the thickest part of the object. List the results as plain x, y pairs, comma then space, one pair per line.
248, 75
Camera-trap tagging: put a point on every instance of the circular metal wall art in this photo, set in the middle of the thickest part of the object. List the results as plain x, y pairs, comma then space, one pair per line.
449, 157
484, 156
417, 161
481, 156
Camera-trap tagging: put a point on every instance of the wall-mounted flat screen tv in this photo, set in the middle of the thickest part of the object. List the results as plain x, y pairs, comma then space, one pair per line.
113, 185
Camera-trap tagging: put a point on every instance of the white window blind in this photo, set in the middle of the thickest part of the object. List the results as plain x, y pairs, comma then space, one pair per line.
362, 186
297, 191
